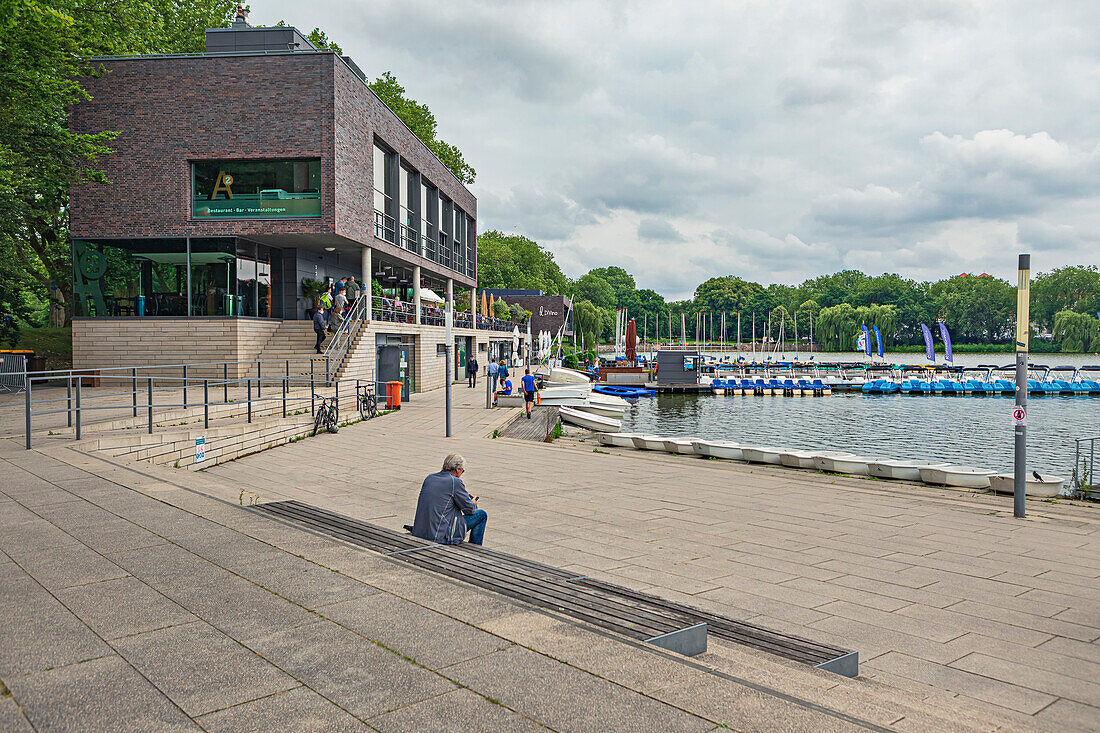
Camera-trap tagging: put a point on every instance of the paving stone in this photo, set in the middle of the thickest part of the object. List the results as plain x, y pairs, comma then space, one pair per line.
302, 581
1080, 688
121, 607
200, 668
39, 632
355, 673
301, 710
11, 717
429, 637
87, 697
562, 697
66, 566
455, 712
1067, 715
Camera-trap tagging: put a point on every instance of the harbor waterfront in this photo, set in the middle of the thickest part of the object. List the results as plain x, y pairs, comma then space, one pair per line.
968, 430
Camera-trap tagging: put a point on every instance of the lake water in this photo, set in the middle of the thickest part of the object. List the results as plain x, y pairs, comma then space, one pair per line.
974, 431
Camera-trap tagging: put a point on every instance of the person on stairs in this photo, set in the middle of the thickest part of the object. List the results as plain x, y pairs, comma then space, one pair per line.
319, 326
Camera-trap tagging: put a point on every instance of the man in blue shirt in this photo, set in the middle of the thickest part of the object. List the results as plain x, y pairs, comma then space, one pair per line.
445, 511
529, 389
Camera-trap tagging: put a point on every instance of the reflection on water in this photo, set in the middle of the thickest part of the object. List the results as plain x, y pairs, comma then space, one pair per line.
970, 430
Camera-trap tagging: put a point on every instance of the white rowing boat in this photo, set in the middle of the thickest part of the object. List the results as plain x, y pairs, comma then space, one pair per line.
561, 375
680, 445
824, 461
618, 440
649, 442
757, 454
849, 464
966, 477
563, 395
589, 420
798, 458
900, 470
1045, 486
718, 449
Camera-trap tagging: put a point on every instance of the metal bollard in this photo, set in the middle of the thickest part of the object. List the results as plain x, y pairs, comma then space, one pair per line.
284, 394
68, 400
225, 382
249, 382
206, 403
133, 389
150, 405
78, 408
185, 386
27, 395
259, 379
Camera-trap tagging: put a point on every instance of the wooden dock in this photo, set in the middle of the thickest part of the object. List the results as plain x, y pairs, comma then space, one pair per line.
542, 422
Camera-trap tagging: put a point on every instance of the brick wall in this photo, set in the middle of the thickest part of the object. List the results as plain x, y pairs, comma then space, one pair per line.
170, 110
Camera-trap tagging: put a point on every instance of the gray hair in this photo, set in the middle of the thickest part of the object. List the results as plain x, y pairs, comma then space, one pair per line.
454, 462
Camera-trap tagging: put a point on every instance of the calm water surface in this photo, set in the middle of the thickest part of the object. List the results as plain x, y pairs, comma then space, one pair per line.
969, 430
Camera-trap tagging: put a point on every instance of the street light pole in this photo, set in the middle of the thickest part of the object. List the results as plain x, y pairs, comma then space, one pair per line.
1023, 329
449, 343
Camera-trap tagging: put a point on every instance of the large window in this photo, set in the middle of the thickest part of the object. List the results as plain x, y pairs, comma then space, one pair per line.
253, 189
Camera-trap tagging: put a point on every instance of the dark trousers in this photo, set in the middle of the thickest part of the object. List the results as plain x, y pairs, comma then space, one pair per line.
471, 379
320, 340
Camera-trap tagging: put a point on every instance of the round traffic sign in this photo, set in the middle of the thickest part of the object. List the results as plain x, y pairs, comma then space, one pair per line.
1018, 415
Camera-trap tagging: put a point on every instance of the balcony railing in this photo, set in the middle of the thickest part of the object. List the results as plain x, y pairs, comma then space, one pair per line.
393, 310
385, 227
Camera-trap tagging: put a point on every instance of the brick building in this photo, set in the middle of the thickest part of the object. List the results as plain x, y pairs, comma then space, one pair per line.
236, 174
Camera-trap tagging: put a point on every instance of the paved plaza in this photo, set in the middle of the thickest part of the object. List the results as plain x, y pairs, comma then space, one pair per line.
142, 597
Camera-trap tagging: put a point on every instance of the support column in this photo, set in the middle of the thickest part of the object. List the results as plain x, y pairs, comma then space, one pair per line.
416, 292
368, 280
473, 307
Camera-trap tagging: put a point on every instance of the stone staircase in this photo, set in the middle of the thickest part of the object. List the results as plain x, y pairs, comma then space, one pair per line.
292, 340
361, 356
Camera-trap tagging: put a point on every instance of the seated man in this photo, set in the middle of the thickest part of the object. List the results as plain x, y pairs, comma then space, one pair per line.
445, 512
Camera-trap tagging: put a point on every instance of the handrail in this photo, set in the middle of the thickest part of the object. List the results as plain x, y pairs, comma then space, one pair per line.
349, 326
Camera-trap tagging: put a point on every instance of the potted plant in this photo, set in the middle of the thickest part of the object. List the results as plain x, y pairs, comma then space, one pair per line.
312, 289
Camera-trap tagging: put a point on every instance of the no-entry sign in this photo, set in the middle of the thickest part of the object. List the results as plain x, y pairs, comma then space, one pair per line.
1019, 416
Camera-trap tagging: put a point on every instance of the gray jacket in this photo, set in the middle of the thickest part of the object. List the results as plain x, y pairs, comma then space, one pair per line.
443, 500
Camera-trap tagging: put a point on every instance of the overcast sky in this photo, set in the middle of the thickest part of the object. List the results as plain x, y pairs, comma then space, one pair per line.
768, 139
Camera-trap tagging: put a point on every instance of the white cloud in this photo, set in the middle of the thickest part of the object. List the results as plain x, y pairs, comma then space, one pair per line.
777, 139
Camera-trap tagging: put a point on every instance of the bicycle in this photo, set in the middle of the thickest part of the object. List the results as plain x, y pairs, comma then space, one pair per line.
366, 401
326, 416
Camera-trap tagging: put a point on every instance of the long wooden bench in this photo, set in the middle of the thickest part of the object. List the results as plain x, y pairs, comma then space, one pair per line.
633, 614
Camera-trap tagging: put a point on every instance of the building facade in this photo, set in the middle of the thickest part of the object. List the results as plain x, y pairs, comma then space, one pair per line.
237, 175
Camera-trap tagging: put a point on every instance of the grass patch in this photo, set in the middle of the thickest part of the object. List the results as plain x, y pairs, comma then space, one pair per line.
605, 452
56, 344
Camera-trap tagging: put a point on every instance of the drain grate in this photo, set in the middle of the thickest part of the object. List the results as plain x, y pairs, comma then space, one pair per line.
628, 612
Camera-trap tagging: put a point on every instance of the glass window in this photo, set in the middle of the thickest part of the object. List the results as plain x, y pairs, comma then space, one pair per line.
256, 188
215, 290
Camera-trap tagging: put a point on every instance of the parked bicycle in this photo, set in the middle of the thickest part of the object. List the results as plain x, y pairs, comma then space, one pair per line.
367, 402
326, 416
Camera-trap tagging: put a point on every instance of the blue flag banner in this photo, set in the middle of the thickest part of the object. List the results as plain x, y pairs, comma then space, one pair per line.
946, 342
867, 339
878, 340
929, 348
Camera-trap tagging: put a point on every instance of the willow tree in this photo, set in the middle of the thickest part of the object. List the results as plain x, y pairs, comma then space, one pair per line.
1077, 332
586, 322
835, 327
883, 316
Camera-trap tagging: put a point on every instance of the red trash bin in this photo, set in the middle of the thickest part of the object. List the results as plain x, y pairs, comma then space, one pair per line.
393, 395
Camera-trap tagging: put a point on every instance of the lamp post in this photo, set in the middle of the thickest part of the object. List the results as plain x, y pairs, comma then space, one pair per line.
449, 343
1019, 414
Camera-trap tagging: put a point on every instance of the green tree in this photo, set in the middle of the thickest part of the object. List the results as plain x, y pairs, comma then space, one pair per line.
621, 282
422, 122
1077, 332
977, 309
595, 289
516, 262
1074, 288
586, 322
836, 326
501, 310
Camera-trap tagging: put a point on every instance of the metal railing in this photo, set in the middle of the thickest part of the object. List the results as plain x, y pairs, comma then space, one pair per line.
147, 397
341, 341
13, 372
385, 227
1084, 478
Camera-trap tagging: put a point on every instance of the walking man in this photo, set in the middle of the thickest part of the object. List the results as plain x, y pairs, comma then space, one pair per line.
493, 371
445, 511
319, 326
529, 389
471, 372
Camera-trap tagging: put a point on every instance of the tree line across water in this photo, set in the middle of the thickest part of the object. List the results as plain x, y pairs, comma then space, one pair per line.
978, 309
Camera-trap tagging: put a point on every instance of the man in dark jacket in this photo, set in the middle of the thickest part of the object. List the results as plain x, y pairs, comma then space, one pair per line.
319, 326
445, 511
471, 371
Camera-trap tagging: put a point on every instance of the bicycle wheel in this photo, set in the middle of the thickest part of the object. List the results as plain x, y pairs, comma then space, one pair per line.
364, 410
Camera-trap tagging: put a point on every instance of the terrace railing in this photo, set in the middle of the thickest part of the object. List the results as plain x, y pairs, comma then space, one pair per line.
1084, 476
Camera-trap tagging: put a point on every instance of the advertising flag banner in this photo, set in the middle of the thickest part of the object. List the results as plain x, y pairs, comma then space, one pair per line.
867, 341
929, 348
946, 342
878, 340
